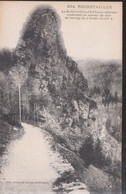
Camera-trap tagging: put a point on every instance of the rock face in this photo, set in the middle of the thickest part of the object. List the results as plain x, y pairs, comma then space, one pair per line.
55, 76
56, 96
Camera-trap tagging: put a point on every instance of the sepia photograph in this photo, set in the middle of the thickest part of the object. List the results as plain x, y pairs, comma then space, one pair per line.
61, 97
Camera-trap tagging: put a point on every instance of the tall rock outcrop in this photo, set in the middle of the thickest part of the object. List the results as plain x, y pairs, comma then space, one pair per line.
55, 76
56, 96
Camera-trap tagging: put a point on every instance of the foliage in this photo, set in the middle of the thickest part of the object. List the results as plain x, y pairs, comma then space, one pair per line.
55, 93
18, 74
100, 182
92, 154
103, 74
6, 60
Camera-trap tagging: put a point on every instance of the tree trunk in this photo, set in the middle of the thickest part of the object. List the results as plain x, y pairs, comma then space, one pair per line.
19, 104
37, 114
28, 112
34, 111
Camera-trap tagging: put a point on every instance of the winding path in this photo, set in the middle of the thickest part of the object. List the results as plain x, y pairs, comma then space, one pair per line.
30, 166
28, 163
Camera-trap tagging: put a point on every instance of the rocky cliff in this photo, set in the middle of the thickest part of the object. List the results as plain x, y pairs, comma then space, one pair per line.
53, 76
55, 96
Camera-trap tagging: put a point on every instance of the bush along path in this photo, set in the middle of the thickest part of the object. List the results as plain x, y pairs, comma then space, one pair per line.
32, 164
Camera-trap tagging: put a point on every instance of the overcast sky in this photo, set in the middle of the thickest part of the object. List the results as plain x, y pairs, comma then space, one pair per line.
82, 39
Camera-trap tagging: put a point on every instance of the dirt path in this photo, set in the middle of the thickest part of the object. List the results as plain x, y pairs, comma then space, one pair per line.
28, 164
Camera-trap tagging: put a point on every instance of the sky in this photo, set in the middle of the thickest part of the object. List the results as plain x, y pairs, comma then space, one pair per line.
83, 39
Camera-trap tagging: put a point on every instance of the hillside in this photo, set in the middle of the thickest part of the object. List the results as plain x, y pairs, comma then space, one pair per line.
105, 74
47, 89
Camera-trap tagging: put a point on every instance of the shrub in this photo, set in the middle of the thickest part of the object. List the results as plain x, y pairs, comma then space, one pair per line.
101, 182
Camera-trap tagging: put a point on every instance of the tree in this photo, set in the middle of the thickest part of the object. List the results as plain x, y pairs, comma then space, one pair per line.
19, 75
6, 60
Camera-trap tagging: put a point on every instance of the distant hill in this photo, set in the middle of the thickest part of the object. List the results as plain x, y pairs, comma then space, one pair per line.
104, 74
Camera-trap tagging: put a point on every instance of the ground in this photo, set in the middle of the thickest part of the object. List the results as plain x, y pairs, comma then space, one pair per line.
30, 164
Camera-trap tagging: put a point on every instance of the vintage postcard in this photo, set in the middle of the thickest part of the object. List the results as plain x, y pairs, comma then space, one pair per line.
60, 97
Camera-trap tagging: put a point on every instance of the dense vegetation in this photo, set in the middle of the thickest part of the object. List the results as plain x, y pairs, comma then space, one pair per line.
42, 85
104, 80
